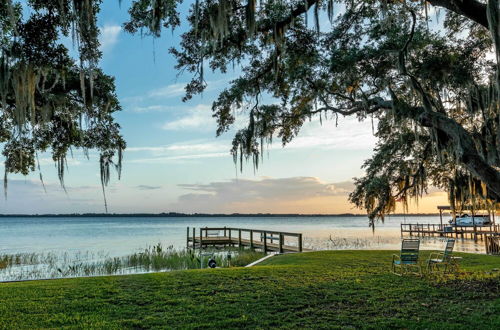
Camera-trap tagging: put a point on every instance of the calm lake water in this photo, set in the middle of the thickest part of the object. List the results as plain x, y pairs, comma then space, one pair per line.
117, 236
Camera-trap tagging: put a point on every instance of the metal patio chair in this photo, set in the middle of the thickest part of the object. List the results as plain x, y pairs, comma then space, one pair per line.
445, 258
407, 260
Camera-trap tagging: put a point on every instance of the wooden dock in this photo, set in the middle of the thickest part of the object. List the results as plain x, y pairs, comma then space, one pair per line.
432, 230
265, 240
492, 244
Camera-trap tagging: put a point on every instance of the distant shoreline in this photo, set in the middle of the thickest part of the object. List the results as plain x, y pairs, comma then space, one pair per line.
195, 215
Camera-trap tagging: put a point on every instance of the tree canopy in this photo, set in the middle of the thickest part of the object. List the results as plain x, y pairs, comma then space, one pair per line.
426, 71
48, 101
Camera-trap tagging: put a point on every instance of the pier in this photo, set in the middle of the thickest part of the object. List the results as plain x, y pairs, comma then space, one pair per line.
489, 233
438, 230
492, 244
265, 240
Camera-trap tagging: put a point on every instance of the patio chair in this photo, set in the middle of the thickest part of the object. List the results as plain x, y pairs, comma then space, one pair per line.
408, 258
444, 258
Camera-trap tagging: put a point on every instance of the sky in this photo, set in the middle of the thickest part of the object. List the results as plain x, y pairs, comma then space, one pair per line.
174, 162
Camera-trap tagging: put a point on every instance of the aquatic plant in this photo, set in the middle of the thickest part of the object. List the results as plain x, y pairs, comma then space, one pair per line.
85, 263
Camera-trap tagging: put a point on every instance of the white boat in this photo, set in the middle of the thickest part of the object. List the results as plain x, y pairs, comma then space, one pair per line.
468, 220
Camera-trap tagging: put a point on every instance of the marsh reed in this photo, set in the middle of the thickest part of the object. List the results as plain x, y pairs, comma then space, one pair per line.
25, 266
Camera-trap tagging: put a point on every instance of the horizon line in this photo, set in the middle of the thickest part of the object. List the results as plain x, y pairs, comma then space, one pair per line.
196, 214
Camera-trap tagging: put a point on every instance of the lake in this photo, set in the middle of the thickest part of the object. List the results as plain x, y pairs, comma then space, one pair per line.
118, 236
54, 247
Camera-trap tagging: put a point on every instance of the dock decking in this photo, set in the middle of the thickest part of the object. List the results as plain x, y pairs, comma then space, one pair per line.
266, 240
465, 232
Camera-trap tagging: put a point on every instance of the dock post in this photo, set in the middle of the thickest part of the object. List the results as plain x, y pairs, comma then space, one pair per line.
194, 238
475, 233
281, 243
230, 243
300, 242
265, 243
225, 231
239, 238
251, 239
187, 238
201, 237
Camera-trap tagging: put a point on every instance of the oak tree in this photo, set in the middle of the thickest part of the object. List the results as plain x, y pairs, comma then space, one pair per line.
425, 71
49, 101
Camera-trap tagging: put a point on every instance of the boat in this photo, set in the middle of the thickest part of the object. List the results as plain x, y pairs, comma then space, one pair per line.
468, 220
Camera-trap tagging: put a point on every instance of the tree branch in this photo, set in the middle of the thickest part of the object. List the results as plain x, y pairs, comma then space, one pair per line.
472, 9
370, 106
299, 10
464, 147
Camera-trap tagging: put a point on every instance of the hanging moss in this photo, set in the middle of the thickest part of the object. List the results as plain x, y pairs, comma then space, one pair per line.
48, 103
433, 94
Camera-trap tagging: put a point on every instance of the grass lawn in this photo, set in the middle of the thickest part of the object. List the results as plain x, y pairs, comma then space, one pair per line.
317, 289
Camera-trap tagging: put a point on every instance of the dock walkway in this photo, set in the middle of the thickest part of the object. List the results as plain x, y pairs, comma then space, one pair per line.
266, 240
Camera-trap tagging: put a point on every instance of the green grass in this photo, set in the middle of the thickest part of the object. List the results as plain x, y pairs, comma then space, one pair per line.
320, 289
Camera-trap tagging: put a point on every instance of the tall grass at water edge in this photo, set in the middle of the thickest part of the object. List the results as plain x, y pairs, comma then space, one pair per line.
154, 258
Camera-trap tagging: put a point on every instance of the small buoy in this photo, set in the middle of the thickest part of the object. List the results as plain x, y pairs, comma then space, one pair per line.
212, 263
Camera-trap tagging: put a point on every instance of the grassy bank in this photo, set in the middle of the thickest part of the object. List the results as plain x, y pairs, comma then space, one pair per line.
156, 258
319, 289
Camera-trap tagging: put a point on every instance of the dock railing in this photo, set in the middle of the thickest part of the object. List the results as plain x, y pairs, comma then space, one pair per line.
267, 240
449, 230
492, 244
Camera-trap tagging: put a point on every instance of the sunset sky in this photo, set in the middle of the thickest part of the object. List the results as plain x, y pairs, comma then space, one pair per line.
174, 162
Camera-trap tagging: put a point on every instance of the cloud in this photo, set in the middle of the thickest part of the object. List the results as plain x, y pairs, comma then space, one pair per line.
183, 151
146, 187
152, 108
109, 37
281, 195
70, 161
168, 91
199, 117
29, 196
178, 89
305, 195
165, 160
294, 188
185, 148
350, 134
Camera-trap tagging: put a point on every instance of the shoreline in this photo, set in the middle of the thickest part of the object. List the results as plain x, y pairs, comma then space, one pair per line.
203, 215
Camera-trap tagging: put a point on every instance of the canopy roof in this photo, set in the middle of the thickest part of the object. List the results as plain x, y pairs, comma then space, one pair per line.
448, 208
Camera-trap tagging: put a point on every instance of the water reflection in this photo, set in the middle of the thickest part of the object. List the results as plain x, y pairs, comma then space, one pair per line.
60, 241
382, 239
